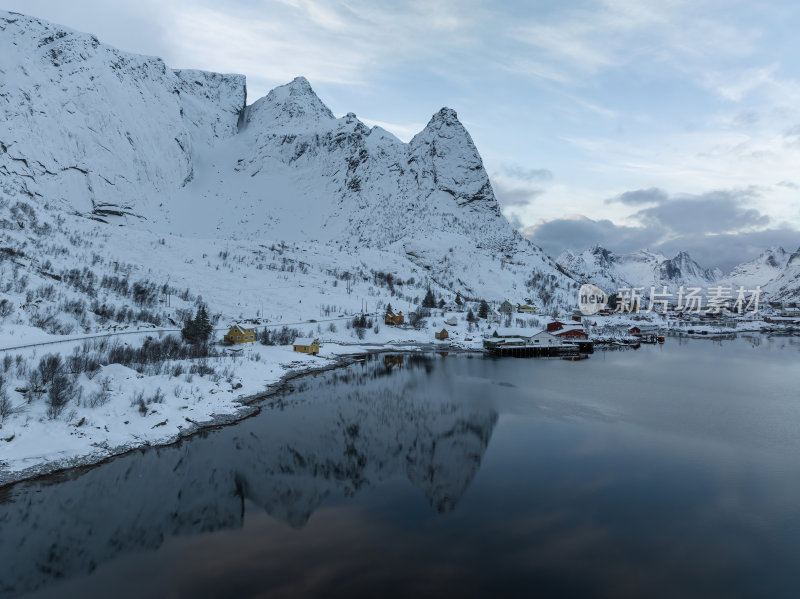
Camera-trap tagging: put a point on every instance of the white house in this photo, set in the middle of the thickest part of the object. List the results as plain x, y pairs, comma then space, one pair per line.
545, 339
493, 317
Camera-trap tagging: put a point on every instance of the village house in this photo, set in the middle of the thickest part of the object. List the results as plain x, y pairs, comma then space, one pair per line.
556, 325
306, 345
441, 335
545, 339
391, 318
507, 336
526, 309
239, 334
570, 334
506, 308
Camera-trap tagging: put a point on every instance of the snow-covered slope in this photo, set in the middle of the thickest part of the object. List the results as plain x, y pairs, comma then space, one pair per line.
682, 270
94, 128
595, 265
759, 271
785, 287
93, 137
638, 269
775, 270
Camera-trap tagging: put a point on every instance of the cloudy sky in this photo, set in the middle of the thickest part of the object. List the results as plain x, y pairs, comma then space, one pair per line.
664, 124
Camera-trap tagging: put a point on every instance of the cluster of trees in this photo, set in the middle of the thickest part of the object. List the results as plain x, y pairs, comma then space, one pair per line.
361, 323
199, 328
282, 336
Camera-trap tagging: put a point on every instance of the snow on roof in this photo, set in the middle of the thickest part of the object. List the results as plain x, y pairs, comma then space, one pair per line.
305, 341
569, 330
548, 333
513, 332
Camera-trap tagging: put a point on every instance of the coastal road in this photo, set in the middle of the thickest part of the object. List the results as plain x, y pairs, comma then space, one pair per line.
173, 330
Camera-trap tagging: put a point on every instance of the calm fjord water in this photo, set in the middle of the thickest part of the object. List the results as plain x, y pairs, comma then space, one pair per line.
671, 471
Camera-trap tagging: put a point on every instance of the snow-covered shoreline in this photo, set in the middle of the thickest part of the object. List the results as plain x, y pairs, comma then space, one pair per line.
19, 464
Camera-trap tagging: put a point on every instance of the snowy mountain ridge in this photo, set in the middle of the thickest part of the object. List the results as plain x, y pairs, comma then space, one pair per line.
775, 270
638, 269
211, 193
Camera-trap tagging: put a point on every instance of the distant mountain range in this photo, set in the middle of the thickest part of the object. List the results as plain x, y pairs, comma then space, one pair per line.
776, 271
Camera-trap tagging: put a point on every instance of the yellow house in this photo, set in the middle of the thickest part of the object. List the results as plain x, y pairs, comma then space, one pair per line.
306, 345
526, 309
392, 318
239, 334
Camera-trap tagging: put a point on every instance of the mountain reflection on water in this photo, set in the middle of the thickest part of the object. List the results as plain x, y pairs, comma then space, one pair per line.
667, 471
334, 433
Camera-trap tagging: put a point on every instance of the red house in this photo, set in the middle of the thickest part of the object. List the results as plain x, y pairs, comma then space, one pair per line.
572, 334
635, 331
554, 326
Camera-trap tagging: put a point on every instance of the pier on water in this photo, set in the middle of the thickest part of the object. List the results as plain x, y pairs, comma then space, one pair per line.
534, 351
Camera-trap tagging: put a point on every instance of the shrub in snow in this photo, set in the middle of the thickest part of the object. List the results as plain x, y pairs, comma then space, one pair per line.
102, 395
58, 396
6, 308
5, 406
49, 366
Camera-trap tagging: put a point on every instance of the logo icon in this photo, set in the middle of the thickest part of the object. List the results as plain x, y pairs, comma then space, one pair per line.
591, 299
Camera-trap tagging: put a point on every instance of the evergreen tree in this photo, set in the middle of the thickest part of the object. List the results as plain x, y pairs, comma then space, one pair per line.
189, 331
441, 303
459, 301
199, 328
430, 300
203, 323
483, 310
470, 316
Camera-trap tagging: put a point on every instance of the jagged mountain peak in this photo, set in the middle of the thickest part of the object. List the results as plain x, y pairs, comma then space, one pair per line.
444, 153
776, 257
602, 254
123, 139
444, 124
445, 116
293, 104
682, 269
641, 268
794, 259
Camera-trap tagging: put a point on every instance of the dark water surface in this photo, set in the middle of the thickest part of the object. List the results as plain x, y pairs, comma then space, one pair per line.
671, 471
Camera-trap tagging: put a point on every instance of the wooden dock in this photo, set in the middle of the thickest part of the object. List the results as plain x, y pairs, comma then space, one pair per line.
533, 351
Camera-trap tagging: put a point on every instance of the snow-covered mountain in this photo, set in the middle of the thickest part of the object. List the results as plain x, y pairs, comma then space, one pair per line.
210, 194
785, 286
769, 265
596, 265
638, 269
682, 270
775, 270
